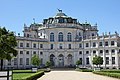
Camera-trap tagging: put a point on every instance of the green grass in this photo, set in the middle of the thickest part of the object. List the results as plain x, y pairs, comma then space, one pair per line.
26, 74
21, 75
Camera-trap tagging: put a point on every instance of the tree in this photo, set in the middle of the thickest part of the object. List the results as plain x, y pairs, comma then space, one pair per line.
97, 60
7, 45
35, 60
48, 64
78, 62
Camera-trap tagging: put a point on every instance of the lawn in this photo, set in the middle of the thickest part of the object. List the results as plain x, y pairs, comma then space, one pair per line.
26, 74
21, 75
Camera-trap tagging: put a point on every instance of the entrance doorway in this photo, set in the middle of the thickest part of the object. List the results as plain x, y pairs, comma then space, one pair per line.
61, 60
69, 59
52, 59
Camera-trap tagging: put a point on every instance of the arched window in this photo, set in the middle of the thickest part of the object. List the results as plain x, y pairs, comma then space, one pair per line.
60, 36
69, 37
51, 37
79, 34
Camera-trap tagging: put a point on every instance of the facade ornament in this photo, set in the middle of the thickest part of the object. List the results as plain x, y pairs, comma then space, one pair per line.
59, 10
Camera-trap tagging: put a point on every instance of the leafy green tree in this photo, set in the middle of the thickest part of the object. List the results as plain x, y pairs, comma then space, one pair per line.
35, 60
7, 45
78, 62
48, 64
97, 60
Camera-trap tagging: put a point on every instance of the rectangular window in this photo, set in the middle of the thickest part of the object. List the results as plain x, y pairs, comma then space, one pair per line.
94, 52
41, 53
80, 52
119, 50
9, 62
27, 44
101, 51
80, 45
112, 43
87, 61
106, 43
51, 46
87, 44
94, 44
34, 52
27, 52
60, 46
69, 46
100, 44
41, 45
113, 50
106, 51
27, 61
21, 44
113, 60
21, 52
87, 52
21, 61
27, 35
34, 45
107, 60
15, 61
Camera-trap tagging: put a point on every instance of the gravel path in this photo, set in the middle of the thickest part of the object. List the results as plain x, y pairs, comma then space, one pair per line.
73, 75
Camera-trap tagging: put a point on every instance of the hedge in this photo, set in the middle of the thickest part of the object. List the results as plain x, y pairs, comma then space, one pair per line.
84, 70
111, 71
33, 76
115, 75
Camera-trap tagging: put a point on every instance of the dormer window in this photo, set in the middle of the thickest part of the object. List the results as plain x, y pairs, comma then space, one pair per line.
61, 20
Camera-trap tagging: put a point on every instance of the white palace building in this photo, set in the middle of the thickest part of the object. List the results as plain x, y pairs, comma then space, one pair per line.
63, 41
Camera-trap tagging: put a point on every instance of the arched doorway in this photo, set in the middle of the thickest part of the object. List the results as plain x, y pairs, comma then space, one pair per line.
52, 59
61, 60
69, 59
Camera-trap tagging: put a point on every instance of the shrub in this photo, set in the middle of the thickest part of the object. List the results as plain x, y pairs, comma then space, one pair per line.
35, 76
48, 64
84, 70
115, 75
111, 71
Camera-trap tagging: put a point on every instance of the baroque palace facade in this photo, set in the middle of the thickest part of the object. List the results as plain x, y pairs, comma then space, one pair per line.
63, 41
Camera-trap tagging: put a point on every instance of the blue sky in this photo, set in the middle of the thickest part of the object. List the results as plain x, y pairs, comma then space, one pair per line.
106, 13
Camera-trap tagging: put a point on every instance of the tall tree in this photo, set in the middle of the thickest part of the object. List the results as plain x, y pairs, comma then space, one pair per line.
97, 60
78, 62
35, 60
7, 45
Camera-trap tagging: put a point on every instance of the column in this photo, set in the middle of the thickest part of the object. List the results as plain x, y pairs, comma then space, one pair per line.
65, 59
104, 59
116, 59
110, 59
